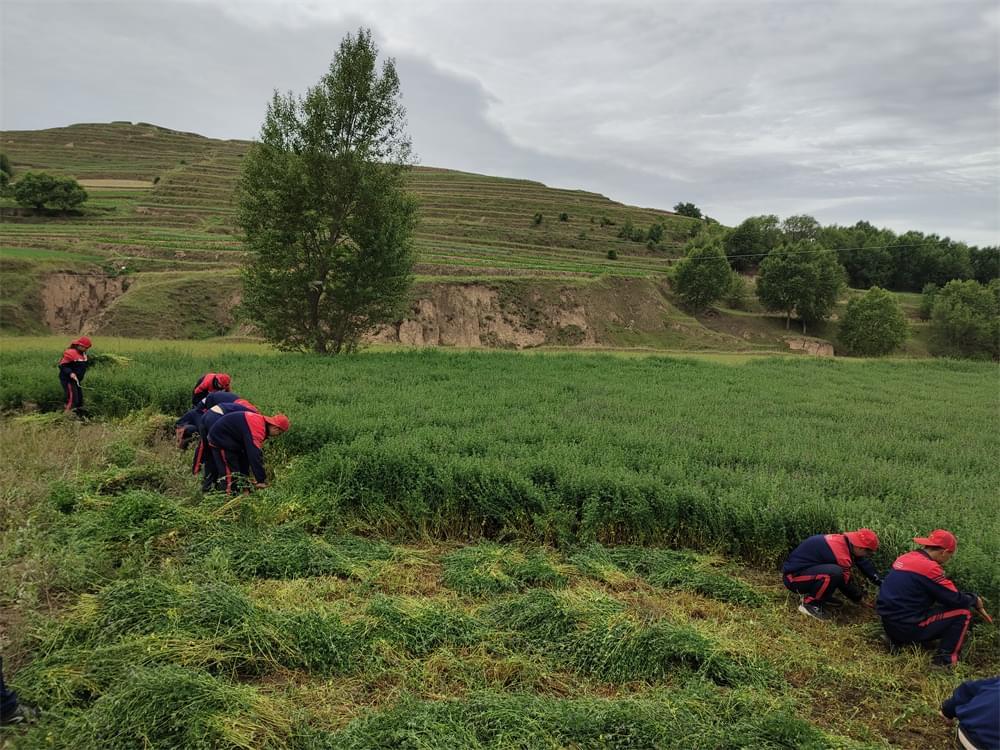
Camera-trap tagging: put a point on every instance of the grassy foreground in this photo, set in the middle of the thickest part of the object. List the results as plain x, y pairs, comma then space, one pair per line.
484, 551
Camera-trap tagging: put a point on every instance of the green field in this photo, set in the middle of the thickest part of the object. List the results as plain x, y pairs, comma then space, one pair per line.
484, 550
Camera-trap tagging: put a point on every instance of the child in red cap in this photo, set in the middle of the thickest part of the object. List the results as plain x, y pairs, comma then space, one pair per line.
821, 566
918, 604
72, 368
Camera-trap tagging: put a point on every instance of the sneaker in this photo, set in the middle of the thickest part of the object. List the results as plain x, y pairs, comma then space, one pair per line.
942, 661
814, 610
21, 715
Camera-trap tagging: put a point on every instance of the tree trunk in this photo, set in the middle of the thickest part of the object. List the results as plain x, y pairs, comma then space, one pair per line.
803, 326
788, 319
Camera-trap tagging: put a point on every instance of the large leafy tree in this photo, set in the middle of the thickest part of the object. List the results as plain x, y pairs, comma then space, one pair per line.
323, 207
41, 190
873, 324
704, 275
803, 278
965, 321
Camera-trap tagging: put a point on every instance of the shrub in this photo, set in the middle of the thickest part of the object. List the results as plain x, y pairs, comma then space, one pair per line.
688, 209
927, 297
39, 189
537, 219
873, 324
564, 216
612, 254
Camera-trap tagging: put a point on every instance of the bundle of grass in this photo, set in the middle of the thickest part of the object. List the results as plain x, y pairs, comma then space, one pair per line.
323, 643
288, 551
669, 569
174, 707
420, 627
488, 568
108, 358
76, 674
543, 617
622, 651
595, 562
694, 719
118, 479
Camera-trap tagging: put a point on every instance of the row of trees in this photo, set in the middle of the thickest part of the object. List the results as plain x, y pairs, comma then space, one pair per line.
797, 278
807, 280
870, 256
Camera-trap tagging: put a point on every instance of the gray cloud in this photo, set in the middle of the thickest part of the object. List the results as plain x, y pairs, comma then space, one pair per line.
884, 111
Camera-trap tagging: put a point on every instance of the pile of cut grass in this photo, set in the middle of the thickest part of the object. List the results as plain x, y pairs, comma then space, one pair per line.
486, 569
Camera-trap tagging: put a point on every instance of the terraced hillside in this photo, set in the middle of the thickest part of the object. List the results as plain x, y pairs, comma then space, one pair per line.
163, 199
500, 262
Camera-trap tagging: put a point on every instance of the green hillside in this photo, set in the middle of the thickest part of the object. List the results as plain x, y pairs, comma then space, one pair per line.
161, 212
163, 199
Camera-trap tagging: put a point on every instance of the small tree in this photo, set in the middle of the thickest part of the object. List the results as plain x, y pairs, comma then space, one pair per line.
966, 320
40, 189
688, 209
323, 208
704, 275
873, 324
927, 296
803, 279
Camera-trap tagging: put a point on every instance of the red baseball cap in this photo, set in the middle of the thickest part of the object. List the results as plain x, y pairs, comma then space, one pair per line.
280, 421
863, 539
938, 538
82, 341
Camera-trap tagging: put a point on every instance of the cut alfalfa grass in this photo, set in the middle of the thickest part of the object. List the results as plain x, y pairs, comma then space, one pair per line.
215, 615
487, 569
695, 718
171, 706
670, 569
420, 627
541, 617
323, 643
622, 650
289, 552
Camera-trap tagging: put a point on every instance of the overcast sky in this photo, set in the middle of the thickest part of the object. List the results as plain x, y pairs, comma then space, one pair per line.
875, 109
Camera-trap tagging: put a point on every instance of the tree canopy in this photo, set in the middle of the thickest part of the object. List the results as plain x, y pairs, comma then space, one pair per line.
704, 275
873, 324
688, 209
803, 278
322, 204
42, 190
965, 321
